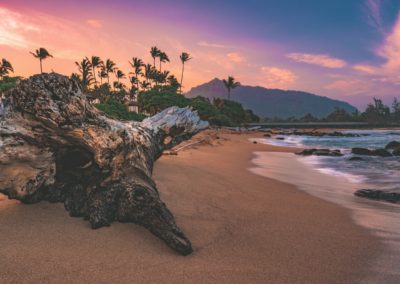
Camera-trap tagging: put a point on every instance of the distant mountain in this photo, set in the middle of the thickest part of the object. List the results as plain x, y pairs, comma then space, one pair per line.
272, 102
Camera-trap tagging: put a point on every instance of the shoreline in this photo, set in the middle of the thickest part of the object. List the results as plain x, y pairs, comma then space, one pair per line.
244, 227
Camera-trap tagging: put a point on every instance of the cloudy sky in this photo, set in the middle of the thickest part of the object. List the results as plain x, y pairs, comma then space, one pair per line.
345, 49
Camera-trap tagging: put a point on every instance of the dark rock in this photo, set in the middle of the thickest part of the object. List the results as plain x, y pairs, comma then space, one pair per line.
381, 153
392, 197
280, 138
396, 152
320, 152
267, 135
254, 142
306, 152
356, 159
368, 152
392, 145
361, 151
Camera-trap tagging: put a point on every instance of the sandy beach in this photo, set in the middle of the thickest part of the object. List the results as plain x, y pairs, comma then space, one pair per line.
245, 228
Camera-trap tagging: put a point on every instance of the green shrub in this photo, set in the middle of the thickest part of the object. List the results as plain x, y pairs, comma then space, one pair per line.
118, 110
204, 108
7, 83
220, 120
160, 98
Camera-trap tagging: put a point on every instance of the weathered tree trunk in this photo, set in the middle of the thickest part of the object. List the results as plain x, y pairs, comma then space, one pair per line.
55, 146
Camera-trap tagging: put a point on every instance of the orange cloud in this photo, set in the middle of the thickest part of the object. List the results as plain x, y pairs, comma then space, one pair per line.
349, 86
94, 23
236, 57
274, 77
317, 59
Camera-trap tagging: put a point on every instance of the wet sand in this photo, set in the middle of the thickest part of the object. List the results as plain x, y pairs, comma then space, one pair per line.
245, 228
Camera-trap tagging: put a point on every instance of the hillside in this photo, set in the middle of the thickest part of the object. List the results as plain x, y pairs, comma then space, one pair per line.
272, 102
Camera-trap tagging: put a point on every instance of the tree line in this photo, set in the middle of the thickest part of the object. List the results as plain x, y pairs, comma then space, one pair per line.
376, 113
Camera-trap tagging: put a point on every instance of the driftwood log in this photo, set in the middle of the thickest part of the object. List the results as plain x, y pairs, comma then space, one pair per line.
55, 146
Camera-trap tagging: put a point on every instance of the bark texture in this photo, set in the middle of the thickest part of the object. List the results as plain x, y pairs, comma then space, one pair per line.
55, 146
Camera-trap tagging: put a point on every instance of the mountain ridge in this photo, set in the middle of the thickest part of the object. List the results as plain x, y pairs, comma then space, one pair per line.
272, 102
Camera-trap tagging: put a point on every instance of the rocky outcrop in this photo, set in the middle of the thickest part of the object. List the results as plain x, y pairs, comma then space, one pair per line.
320, 152
55, 146
368, 152
392, 197
314, 133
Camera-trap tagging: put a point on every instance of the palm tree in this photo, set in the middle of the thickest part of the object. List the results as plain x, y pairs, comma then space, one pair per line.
95, 61
230, 84
148, 73
41, 54
155, 52
120, 75
109, 67
163, 58
185, 57
137, 65
173, 82
85, 68
145, 85
163, 76
134, 84
102, 73
5, 68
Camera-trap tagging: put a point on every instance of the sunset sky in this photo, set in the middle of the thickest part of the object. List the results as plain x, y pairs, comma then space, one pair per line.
345, 49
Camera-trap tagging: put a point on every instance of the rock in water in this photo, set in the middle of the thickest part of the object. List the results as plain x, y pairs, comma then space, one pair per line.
320, 152
368, 152
55, 146
392, 145
392, 197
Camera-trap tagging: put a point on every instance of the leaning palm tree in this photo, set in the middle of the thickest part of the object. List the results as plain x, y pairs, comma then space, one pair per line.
41, 54
137, 65
96, 62
185, 57
85, 68
163, 58
109, 67
5, 68
155, 52
230, 84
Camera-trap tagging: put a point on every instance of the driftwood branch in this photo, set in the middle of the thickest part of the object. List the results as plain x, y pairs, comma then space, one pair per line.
55, 146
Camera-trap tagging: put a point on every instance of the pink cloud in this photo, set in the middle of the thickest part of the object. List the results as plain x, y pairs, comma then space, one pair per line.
236, 57
349, 86
390, 51
274, 77
94, 23
317, 59
204, 43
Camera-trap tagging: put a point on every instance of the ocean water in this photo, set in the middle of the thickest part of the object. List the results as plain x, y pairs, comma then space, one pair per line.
374, 172
335, 179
